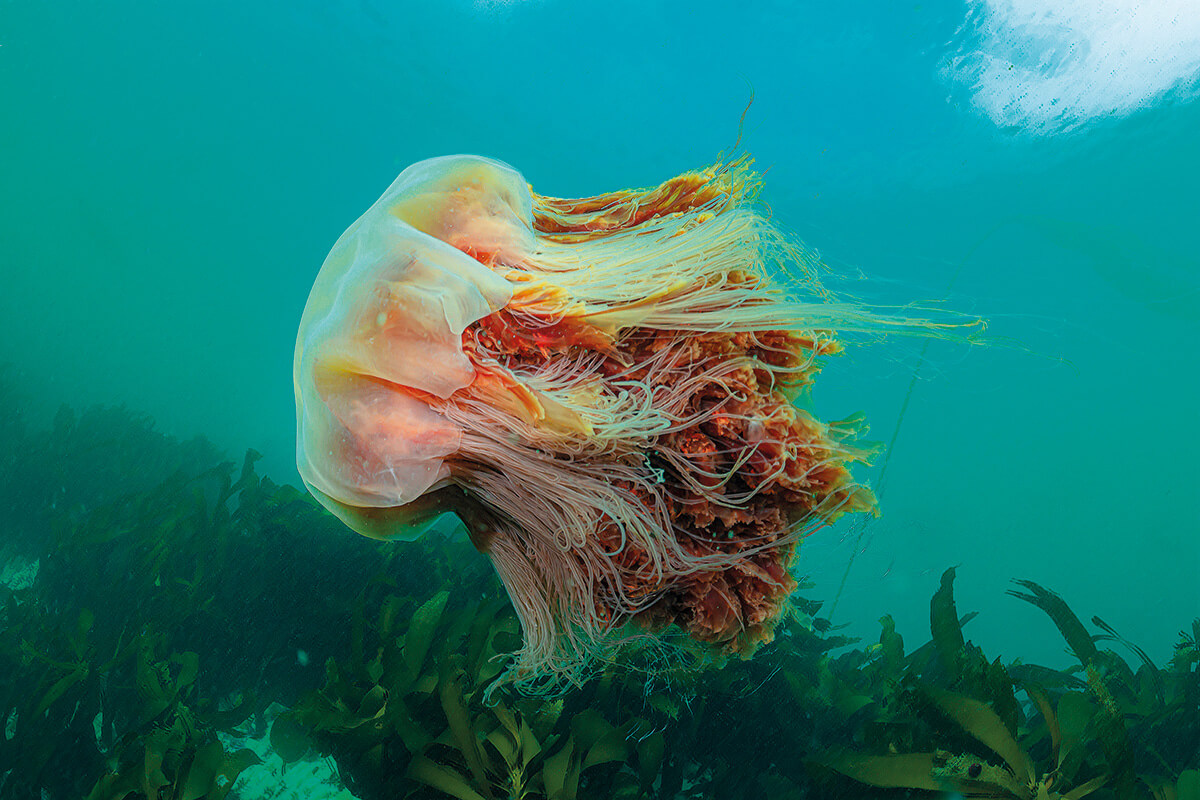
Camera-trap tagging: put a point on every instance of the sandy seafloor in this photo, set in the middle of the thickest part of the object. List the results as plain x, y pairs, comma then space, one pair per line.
173, 175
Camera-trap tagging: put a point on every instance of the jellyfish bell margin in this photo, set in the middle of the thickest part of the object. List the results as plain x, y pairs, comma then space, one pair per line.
601, 387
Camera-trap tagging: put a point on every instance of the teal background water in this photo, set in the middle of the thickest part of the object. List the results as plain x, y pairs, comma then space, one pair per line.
173, 174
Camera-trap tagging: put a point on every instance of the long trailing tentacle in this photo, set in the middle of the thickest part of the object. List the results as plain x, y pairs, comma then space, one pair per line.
633, 418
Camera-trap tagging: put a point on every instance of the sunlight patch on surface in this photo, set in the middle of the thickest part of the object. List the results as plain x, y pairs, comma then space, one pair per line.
1053, 65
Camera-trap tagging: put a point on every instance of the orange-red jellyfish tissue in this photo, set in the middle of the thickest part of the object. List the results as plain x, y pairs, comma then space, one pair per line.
603, 388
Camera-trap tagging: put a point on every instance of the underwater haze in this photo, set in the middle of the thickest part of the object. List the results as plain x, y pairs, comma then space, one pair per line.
173, 175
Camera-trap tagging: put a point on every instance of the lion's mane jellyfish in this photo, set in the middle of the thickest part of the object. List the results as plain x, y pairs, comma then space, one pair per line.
603, 388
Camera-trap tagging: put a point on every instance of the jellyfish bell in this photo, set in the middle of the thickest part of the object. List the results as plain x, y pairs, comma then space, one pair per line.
381, 334
469, 202
601, 387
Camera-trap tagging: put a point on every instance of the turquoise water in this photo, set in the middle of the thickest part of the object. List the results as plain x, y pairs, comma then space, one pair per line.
174, 174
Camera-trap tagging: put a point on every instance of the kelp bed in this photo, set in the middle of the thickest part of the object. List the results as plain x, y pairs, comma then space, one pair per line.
175, 592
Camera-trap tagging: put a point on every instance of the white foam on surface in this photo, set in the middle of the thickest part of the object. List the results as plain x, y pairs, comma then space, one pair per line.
1051, 65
